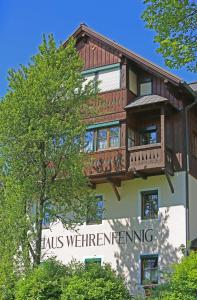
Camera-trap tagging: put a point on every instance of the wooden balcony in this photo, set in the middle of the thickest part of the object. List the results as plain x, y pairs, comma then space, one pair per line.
146, 157
107, 162
123, 164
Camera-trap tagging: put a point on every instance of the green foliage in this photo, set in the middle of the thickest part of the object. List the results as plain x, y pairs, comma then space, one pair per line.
41, 160
52, 281
183, 282
95, 283
175, 23
43, 282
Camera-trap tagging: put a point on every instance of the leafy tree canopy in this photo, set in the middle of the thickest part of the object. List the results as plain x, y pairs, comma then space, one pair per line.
175, 23
41, 133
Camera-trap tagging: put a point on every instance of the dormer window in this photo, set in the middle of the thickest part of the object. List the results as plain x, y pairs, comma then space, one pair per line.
145, 86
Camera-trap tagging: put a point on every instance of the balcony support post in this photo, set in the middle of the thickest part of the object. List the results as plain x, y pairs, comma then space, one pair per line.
169, 181
114, 185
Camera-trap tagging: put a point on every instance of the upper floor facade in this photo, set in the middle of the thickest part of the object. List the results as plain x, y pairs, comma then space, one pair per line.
138, 128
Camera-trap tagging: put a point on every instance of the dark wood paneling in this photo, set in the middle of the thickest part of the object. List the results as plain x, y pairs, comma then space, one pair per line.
192, 130
94, 54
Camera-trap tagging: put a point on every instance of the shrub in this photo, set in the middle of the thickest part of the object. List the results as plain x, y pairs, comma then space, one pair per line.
183, 283
94, 283
42, 283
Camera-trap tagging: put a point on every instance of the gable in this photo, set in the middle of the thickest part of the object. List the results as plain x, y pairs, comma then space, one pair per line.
95, 54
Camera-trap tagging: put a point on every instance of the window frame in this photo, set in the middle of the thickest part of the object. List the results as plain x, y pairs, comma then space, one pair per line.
148, 192
144, 257
108, 138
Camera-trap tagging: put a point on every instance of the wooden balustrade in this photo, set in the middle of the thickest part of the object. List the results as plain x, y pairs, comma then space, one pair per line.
106, 162
146, 157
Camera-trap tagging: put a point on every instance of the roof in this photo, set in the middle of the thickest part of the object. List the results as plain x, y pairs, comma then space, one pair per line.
193, 85
145, 100
127, 53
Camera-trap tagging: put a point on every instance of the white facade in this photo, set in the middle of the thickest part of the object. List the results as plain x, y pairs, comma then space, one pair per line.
123, 237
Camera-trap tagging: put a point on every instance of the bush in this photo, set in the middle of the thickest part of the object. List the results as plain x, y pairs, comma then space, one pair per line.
95, 283
54, 281
42, 283
183, 283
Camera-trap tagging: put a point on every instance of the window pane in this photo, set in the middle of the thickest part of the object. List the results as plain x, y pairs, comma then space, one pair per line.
89, 141
114, 137
150, 205
102, 139
146, 88
149, 269
148, 135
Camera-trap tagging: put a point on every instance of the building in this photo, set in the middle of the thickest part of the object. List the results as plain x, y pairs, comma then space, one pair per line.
142, 145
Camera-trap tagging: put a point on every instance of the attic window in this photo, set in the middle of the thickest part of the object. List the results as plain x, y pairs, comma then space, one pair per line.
108, 77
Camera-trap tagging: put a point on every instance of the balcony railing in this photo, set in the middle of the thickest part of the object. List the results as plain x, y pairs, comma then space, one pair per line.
150, 159
106, 162
146, 157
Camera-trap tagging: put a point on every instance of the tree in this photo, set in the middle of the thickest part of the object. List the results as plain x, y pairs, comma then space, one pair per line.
41, 133
175, 23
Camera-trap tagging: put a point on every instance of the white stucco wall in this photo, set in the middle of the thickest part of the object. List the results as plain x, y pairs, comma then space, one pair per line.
168, 232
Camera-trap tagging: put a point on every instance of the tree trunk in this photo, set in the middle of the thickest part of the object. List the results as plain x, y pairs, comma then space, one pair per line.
40, 207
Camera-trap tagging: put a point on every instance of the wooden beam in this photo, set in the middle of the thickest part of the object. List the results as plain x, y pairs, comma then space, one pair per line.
115, 190
169, 181
115, 183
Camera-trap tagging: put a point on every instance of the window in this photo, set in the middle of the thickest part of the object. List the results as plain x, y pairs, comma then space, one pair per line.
149, 204
148, 135
114, 137
131, 137
145, 86
92, 261
95, 216
132, 81
109, 80
102, 138
194, 144
149, 269
107, 76
102, 142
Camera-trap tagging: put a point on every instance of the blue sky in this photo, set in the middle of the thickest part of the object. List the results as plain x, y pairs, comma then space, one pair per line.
23, 22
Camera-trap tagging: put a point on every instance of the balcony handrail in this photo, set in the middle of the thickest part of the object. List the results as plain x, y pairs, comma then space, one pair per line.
141, 147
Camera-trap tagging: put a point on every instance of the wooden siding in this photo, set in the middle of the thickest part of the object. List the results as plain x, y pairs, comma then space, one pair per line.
94, 54
192, 130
